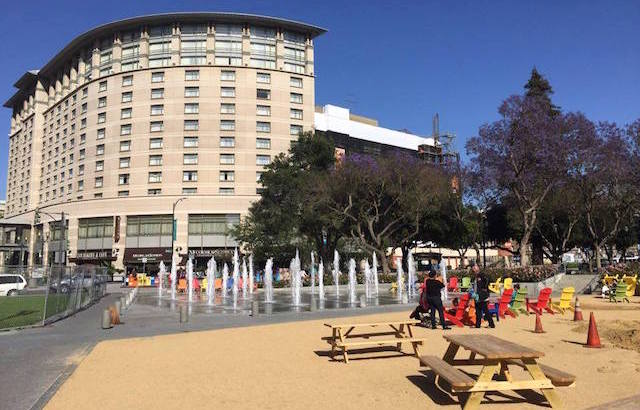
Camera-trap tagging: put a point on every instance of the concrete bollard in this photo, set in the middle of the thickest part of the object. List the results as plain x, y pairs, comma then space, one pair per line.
255, 305
313, 306
106, 319
123, 302
363, 301
184, 315
118, 307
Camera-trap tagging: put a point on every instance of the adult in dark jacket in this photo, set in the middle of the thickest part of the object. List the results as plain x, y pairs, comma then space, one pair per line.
482, 308
432, 288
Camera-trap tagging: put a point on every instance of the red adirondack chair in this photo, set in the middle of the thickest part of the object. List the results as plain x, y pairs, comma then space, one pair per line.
458, 317
542, 303
502, 306
453, 284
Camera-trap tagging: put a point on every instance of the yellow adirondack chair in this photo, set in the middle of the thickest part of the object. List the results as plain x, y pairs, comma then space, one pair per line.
632, 282
495, 286
203, 285
508, 284
565, 300
608, 279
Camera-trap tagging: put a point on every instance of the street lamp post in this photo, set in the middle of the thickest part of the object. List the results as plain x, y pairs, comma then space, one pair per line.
173, 225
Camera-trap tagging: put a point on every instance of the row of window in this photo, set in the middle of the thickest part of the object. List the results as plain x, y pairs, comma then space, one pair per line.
194, 108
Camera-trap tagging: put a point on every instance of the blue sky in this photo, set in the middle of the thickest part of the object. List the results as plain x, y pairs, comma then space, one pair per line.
399, 62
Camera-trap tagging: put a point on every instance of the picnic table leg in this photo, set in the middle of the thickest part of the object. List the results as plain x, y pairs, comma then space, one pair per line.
486, 374
451, 352
504, 371
537, 374
333, 343
400, 334
415, 344
344, 348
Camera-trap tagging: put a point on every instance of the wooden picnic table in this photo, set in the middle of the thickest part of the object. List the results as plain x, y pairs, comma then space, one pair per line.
343, 334
496, 356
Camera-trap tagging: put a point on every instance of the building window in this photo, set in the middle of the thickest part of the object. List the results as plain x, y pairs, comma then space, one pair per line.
226, 108
85, 92
123, 193
127, 80
190, 92
263, 159
295, 129
125, 146
191, 108
123, 179
125, 129
189, 176
102, 117
80, 172
100, 134
99, 182
263, 110
100, 149
155, 160
295, 82
99, 167
190, 142
155, 143
157, 109
296, 98
102, 102
263, 78
227, 75
189, 191
157, 77
227, 176
83, 108
125, 162
125, 113
262, 94
262, 126
192, 75
156, 126
155, 177
227, 159
102, 86
154, 191
263, 143
227, 142
80, 185
191, 125
258, 176
190, 159
83, 137
127, 96
226, 191
227, 125
296, 114
157, 93
227, 91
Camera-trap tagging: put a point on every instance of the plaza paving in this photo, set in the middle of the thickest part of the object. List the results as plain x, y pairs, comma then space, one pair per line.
285, 365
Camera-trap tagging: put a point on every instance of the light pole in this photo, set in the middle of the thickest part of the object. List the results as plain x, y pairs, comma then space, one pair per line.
173, 225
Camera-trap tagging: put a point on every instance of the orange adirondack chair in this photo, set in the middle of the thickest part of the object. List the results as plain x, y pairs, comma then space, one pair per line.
502, 306
182, 285
542, 303
459, 315
217, 284
453, 284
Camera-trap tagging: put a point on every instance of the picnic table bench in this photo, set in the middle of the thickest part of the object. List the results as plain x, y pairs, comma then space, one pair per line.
343, 334
497, 354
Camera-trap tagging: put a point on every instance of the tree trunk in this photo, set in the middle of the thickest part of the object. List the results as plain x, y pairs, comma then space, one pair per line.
537, 254
384, 261
596, 247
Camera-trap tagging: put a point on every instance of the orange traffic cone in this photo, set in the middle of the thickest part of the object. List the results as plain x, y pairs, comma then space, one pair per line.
538, 328
593, 339
577, 313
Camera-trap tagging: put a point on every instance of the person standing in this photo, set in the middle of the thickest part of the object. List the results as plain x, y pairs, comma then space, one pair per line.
482, 293
433, 288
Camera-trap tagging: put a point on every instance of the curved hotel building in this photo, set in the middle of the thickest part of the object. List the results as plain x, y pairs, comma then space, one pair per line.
135, 115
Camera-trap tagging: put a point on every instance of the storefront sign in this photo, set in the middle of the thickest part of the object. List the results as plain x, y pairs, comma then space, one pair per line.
103, 254
209, 252
138, 255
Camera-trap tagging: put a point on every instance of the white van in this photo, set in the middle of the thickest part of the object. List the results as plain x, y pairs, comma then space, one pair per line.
11, 284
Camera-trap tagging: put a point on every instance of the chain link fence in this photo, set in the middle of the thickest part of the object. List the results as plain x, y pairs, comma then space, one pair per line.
35, 296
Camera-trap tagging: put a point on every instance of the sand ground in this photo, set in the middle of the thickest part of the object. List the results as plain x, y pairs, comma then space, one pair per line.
286, 366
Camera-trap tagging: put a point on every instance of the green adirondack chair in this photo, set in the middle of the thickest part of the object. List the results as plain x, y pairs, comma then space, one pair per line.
620, 294
466, 284
519, 303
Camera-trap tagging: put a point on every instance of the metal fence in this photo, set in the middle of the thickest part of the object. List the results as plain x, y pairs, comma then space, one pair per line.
35, 296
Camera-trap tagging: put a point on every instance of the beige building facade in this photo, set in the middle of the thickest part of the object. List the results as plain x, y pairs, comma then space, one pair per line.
133, 116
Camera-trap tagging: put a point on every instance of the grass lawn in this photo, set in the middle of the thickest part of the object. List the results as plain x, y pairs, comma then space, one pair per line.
27, 310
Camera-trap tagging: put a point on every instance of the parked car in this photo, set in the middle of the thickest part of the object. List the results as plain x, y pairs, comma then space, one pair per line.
119, 277
66, 284
11, 284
